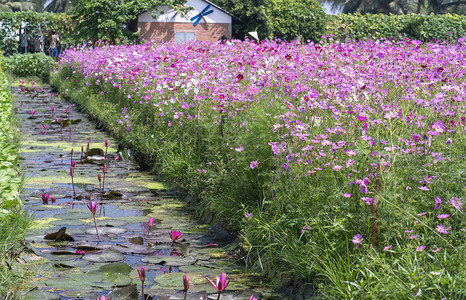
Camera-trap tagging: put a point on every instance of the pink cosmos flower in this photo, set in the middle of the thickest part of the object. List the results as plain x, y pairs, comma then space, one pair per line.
456, 203
443, 216
386, 248
357, 239
441, 229
337, 167
254, 164
438, 127
420, 248
367, 200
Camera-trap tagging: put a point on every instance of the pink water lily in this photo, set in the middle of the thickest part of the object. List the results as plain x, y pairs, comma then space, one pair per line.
106, 144
175, 235
221, 283
149, 225
93, 208
45, 198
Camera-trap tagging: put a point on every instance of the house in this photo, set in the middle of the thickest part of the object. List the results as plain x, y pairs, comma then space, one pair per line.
206, 22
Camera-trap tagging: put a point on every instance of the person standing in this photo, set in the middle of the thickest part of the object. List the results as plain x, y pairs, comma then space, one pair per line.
23, 39
37, 44
54, 43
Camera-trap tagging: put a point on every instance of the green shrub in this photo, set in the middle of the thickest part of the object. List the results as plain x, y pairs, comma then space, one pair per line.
292, 19
31, 64
10, 182
446, 27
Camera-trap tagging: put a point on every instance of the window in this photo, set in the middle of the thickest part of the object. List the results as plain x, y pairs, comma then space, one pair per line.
183, 37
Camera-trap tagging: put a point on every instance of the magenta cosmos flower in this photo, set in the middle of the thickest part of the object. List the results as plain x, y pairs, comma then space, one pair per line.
438, 203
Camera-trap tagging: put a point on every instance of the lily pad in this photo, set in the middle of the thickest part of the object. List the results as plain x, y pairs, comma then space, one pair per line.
110, 223
95, 152
72, 263
129, 248
109, 255
113, 195
136, 240
78, 294
59, 236
73, 216
115, 268
38, 294
75, 284
106, 230
68, 222
88, 248
129, 292
168, 260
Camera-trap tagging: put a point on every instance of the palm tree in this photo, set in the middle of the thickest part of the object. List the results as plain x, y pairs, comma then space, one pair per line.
52, 5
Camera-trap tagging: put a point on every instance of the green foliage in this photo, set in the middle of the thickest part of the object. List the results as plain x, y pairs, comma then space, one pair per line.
10, 182
30, 64
108, 19
40, 23
446, 27
291, 18
285, 19
253, 15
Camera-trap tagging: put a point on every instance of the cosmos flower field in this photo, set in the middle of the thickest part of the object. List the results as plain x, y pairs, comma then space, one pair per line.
344, 163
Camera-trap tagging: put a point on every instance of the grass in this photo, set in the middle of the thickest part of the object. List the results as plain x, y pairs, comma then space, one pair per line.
13, 228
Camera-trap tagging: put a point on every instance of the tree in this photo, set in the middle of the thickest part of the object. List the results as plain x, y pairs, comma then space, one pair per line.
298, 18
252, 15
108, 19
286, 19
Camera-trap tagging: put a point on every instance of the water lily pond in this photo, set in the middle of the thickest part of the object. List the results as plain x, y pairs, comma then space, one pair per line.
67, 259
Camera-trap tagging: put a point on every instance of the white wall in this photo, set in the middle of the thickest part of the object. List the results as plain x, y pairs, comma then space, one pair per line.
170, 15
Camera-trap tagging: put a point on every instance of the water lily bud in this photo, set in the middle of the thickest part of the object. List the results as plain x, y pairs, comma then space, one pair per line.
142, 274
186, 282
